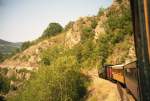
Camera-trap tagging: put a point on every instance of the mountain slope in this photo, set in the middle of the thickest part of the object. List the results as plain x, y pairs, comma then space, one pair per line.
30, 57
8, 47
107, 26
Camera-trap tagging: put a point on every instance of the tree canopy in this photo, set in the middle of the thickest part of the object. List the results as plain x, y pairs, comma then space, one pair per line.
69, 25
52, 30
25, 45
101, 11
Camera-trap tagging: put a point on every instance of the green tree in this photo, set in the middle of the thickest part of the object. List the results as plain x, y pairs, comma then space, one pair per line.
101, 11
69, 25
58, 81
94, 23
25, 45
52, 30
105, 47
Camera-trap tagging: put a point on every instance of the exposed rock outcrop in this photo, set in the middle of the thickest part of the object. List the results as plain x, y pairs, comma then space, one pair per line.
72, 38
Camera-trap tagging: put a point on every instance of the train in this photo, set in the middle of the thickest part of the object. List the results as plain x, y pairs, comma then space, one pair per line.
135, 75
126, 75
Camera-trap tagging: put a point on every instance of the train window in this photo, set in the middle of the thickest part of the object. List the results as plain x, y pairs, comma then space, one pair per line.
131, 74
128, 70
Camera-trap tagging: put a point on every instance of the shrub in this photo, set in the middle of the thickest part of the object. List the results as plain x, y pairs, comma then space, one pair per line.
118, 37
94, 23
2, 98
23, 70
87, 33
3, 71
87, 54
59, 82
25, 58
58, 79
1, 57
119, 1
13, 78
4, 84
48, 56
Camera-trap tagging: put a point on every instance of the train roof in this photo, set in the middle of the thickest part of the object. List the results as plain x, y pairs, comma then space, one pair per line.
117, 66
131, 65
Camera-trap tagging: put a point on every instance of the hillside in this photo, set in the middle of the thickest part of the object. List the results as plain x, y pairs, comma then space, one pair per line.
97, 27
86, 44
30, 57
8, 47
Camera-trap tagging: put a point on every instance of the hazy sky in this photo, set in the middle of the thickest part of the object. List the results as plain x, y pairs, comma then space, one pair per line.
22, 20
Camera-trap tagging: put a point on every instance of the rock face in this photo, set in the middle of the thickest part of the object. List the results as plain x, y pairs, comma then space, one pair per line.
11, 73
14, 78
18, 74
72, 38
99, 30
131, 55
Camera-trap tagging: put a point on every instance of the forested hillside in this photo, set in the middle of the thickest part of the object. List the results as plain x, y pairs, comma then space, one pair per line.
8, 48
57, 59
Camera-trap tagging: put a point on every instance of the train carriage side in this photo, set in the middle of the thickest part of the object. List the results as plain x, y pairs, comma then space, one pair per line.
118, 73
131, 78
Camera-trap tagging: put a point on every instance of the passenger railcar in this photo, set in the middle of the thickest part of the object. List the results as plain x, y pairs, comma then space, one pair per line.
131, 78
126, 75
105, 71
112, 72
118, 73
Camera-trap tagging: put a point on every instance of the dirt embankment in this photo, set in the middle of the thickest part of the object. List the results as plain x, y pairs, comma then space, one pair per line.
100, 89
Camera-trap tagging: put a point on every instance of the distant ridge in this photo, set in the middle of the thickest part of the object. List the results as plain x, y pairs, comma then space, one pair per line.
8, 47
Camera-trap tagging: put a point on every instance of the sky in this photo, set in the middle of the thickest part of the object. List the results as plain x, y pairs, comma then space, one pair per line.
23, 20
